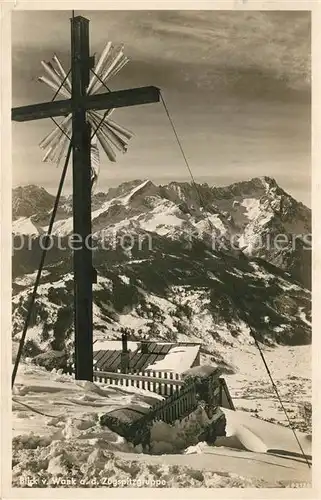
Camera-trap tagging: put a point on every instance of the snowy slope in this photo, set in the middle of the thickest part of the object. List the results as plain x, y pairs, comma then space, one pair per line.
210, 312
198, 297
69, 438
24, 225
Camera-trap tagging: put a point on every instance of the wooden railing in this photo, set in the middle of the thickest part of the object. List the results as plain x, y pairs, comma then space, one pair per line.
177, 406
163, 383
183, 400
166, 384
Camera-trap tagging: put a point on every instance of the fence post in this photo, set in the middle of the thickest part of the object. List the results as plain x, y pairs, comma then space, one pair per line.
161, 385
157, 384
148, 383
171, 387
154, 383
166, 385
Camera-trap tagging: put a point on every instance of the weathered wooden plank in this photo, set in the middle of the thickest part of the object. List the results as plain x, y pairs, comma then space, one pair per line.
114, 362
123, 98
105, 359
81, 175
108, 100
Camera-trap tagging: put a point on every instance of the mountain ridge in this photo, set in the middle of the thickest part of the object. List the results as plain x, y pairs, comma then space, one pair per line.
172, 282
249, 216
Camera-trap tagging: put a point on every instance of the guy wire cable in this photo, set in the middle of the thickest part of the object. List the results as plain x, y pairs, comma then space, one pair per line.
185, 158
279, 397
42, 261
252, 334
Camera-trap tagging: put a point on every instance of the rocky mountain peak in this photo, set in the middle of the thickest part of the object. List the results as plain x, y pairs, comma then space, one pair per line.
123, 188
29, 200
247, 212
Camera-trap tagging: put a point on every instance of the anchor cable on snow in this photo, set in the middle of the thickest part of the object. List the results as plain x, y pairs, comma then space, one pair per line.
279, 397
35, 409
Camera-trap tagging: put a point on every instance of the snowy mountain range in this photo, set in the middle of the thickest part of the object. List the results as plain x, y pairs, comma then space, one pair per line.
177, 262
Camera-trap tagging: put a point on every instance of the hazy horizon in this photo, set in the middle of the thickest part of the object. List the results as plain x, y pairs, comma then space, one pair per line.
237, 85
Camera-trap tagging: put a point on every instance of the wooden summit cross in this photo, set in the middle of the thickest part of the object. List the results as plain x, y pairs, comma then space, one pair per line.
77, 105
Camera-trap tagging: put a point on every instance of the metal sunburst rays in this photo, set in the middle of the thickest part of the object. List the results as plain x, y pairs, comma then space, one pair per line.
111, 136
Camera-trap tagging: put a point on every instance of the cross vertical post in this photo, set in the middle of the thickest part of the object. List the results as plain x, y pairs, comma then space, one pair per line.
80, 105
83, 274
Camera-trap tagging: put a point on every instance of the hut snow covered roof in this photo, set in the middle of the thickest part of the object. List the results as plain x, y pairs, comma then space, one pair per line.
157, 356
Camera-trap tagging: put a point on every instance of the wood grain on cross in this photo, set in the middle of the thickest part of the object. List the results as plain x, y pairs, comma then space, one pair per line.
80, 102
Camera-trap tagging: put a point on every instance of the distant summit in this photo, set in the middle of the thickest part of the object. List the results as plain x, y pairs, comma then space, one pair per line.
29, 200
248, 212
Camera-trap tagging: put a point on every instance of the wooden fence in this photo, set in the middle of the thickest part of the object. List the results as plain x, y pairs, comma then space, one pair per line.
177, 406
163, 383
182, 401
169, 385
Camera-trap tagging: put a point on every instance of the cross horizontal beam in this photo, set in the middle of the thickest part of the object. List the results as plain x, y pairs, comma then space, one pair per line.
117, 99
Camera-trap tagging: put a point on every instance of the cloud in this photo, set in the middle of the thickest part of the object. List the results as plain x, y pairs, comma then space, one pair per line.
236, 82
212, 42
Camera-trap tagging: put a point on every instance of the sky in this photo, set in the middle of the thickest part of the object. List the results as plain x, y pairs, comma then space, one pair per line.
237, 85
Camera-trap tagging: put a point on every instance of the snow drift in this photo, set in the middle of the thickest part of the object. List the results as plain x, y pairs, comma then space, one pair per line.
56, 433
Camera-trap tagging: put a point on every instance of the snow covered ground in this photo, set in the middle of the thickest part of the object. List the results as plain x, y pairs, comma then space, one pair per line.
66, 447
251, 388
